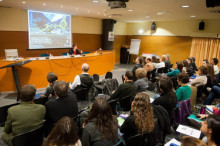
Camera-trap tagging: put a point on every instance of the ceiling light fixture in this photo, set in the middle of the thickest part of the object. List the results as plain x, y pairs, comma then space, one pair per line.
0, 0
95, 1
193, 16
44, 4
110, 16
23, 2
98, 13
88, 11
147, 16
61, 6
130, 10
185, 6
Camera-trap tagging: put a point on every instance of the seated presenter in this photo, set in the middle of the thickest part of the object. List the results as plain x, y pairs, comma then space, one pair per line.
74, 50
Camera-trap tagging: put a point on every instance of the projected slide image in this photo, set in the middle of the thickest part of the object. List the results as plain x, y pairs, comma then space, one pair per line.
49, 30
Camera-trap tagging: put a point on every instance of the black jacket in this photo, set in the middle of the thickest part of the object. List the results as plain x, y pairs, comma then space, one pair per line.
58, 108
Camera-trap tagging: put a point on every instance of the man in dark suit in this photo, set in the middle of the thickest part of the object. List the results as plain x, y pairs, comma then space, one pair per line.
24, 117
74, 50
125, 89
65, 104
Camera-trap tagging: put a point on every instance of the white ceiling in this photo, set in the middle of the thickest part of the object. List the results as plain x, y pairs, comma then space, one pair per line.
141, 8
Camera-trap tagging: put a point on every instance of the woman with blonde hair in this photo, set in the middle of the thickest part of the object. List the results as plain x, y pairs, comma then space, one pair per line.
141, 81
141, 120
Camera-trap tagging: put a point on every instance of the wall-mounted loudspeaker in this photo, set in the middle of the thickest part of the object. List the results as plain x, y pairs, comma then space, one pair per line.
153, 26
201, 25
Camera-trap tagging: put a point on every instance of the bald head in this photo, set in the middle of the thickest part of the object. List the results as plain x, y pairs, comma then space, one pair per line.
85, 67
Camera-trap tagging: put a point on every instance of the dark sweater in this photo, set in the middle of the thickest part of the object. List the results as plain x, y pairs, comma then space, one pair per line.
58, 108
166, 102
92, 137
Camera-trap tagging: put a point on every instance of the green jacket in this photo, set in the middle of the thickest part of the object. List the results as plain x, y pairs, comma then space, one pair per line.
23, 118
183, 93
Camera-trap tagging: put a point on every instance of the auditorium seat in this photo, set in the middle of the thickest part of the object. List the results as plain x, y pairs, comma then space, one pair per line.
44, 55
31, 138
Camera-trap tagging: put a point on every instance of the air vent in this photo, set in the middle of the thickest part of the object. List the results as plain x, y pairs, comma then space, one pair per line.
117, 15
4, 7
215, 11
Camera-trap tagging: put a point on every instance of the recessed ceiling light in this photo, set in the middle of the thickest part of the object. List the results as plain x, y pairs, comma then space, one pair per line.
23, 2
95, 1
98, 13
88, 11
0, 0
192, 16
130, 10
185, 6
44, 4
104, 14
147, 16
61, 6
76, 9
110, 16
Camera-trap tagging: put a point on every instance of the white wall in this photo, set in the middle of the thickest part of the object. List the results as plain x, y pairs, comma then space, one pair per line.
12, 19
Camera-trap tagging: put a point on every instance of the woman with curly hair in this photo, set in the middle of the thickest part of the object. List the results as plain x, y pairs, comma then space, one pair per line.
101, 127
141, 120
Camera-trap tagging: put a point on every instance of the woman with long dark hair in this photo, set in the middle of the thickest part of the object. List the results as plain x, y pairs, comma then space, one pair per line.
167, 97
211, 128
141, 120
64, 133
175, 72
101, 127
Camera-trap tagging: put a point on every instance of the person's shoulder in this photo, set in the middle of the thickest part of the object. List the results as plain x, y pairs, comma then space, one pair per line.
51, 102
14, 108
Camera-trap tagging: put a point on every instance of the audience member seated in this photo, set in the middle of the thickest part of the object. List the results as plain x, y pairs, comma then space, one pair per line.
74, 50
214, 93
154, 61
24, 117
51, 78
101, 127
191, 70
175, 72
64, 133
138, 64
191, 141
183, 92
162, 62
193, 63
167, 61
141, 82
141, 119
84, 80
211, 128
214, 62
149, 65
65, 104
167, 97
201, 78
210, 78
205, 62
185, 66
125, 89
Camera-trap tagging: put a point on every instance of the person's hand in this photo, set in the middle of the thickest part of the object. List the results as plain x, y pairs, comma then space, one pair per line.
84, 124
81, 51
202, 116
70, 85
214, 107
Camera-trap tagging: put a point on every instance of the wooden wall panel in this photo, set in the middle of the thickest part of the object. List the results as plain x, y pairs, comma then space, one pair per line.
19, 40
178, 47
119, 40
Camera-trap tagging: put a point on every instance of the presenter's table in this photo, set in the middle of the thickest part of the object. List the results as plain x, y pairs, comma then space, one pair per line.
65, 67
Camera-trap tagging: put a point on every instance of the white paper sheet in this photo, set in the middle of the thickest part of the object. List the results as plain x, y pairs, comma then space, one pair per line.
188, 131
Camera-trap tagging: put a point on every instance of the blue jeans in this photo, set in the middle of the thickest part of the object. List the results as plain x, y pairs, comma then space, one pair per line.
215, 93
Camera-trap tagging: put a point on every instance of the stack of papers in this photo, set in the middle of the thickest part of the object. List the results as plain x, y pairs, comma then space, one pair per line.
188, 131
